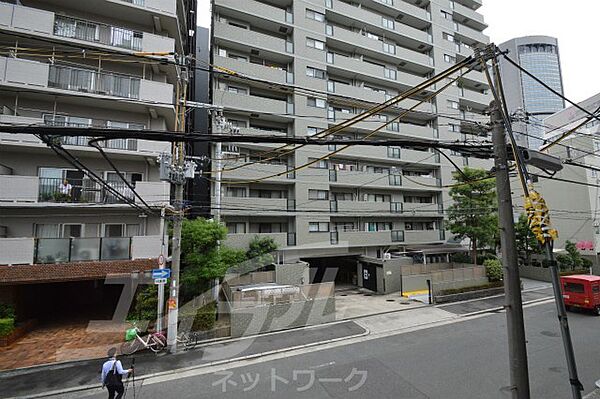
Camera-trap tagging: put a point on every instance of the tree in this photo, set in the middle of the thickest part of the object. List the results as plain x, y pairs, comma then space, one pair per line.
202, 258
525, 239
473, 212
572, 259
493, 269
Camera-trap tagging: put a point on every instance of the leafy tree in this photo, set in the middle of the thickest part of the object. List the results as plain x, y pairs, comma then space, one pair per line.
472, 214
202, 258
572, 259
259, 254
526, 242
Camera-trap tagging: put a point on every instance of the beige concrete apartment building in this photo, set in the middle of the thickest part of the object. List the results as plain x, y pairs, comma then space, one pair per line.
73, 63
339, 58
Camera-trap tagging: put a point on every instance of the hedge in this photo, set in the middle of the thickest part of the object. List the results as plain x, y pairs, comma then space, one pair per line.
204, 318
6, 326
452, 291
572, 272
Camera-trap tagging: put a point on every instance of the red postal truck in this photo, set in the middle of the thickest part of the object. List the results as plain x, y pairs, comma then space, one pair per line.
581, 291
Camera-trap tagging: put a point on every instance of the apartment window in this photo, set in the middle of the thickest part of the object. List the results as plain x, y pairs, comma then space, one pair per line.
315, 73
343, 226
314, 43
388, 2
446, 15
395, 180
318, 227
238, 192
390, 73
311, 131
389, 48
236, 228
388, 23
465, 161
316, 102
379, 198
448, 36
236, 89
394, 152
378, 226
452, 104
317, 16
394, 127
343, 196
72, 230
320, 195
453, 128
47, 230
320, 164
450, 58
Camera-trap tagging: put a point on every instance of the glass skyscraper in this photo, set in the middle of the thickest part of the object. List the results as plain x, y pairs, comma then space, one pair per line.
538, 55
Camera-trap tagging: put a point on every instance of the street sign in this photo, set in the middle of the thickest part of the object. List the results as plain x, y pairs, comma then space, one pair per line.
159, 281
161, 273
161, 261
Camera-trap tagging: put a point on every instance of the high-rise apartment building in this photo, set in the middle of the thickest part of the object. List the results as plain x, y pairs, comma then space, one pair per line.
78, 64
540, 56
314, 64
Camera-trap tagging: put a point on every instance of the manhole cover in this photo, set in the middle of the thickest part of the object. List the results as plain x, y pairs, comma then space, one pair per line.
343, 294
368, 294
405, 302
390, 300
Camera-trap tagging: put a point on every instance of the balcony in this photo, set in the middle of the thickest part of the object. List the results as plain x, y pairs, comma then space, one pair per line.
362, 179
253, 70
403, 34
254, 206
415, 156
418, 209
421, 183
414, 60
22, 251
15, 72
475, 99
252, 7
465, 15
470, 35
250, 103
363, 207
241, 241
45, 23
249, 39
33, 189
357, 66
423, 236
256, 171
364, 238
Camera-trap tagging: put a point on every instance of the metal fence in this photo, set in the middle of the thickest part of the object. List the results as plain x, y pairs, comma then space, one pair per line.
92, 81
81, 191
98, 33
57, 250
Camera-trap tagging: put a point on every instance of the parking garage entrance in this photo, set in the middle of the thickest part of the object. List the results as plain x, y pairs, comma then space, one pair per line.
342, 270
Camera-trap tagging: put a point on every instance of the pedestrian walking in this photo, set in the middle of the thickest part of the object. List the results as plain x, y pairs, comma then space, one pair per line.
112, 375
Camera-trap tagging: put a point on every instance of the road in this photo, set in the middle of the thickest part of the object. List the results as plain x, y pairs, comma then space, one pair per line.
462, 359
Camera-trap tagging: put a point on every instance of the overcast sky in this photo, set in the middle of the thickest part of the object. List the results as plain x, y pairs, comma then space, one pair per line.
576, 24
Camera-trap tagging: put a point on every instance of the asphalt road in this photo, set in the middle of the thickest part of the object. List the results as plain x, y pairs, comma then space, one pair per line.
462, 360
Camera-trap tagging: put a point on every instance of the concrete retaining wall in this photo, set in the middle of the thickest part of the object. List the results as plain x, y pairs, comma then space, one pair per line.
468, 295
292, 273
249, 321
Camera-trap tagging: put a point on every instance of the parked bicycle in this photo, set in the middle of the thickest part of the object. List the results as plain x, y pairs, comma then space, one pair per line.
156, 342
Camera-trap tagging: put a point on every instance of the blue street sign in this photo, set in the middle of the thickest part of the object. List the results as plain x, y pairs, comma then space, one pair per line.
161, 273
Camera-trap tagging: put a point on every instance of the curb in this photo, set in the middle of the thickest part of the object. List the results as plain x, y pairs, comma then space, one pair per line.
499, 308
204, 365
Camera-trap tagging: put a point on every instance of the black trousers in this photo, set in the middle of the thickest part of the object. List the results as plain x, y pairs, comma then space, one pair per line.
115, 389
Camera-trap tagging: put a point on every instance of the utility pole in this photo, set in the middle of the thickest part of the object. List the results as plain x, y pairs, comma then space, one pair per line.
161, 265
178, 178
517, 349
219, 122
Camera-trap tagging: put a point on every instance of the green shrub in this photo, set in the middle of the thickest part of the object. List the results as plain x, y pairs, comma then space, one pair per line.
572, 272
7, 311
205, 317
452, 291
7, 325
461, 257
493, 269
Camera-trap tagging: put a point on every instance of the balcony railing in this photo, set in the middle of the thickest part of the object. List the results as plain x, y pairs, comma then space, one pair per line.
92, 81
58, 250
81, 191
98, 33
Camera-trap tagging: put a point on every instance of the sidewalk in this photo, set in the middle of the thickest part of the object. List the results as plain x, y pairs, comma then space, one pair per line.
37, 380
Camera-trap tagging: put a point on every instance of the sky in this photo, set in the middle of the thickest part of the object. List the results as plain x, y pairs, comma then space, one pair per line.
576, 24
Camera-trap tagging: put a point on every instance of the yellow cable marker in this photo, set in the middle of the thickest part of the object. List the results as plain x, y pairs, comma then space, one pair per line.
539, 217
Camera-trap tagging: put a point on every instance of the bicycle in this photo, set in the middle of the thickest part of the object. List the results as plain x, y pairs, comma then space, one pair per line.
156, 342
